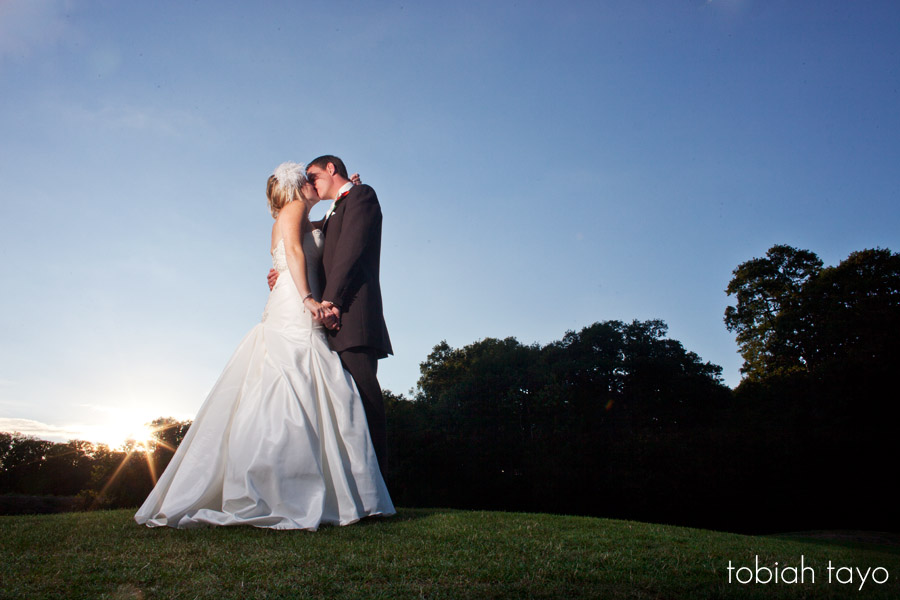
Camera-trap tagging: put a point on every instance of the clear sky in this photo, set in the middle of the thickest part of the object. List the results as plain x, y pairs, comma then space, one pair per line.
540, 165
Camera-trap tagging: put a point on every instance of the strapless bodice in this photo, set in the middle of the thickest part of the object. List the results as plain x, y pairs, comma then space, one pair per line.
313, 242
284, 308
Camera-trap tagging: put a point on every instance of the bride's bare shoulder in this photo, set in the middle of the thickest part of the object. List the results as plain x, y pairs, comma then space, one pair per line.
292, 212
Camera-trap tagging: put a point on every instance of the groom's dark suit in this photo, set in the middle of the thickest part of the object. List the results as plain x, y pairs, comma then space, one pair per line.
351, 263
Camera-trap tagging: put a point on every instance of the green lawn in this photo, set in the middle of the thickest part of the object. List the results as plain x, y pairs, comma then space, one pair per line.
420, 553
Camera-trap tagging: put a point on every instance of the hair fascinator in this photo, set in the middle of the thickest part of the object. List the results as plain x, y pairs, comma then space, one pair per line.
290, 176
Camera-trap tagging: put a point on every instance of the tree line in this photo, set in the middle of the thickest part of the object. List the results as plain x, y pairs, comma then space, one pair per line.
42, 476
619, 420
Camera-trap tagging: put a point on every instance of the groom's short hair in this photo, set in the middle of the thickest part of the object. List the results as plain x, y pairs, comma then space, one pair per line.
322, 163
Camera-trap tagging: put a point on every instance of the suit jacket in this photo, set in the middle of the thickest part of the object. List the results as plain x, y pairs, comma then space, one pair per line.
351, 263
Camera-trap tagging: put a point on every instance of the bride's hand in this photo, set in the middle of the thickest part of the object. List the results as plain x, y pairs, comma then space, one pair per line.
318, 311
355, 180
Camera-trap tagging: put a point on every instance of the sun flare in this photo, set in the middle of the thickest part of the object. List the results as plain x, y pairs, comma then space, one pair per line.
126, 435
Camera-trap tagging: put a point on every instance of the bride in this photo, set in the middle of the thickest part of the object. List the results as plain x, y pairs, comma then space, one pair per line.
281, 441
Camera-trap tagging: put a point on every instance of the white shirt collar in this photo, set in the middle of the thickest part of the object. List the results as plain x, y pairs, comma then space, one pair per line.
344, 188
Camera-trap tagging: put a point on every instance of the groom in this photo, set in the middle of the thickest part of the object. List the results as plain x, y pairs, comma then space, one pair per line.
352, 291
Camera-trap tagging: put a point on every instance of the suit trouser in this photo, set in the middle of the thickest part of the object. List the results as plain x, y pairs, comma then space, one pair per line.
362, 364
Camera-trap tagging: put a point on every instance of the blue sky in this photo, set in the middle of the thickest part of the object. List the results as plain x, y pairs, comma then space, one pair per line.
540, 166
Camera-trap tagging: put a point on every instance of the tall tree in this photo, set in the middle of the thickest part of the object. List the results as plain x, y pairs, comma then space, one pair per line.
854, 313
769, 292
794, 316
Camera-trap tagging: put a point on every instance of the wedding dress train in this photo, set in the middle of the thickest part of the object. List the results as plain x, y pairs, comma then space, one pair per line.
282, 440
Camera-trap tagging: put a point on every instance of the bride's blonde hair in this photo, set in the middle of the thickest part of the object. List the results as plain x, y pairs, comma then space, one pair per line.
284, 186
278, 196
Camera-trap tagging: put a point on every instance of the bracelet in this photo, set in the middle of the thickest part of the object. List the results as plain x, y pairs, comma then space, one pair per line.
307, 297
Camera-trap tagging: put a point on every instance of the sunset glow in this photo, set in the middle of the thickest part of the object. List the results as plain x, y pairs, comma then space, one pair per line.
123, 431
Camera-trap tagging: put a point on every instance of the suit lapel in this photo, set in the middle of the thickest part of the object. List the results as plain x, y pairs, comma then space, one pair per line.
334, 213
339, 211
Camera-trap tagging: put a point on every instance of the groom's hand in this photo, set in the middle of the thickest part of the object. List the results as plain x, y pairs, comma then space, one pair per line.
335, 313
273, 277
330, 322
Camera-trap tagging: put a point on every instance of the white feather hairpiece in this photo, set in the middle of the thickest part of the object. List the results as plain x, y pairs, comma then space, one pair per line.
290, 176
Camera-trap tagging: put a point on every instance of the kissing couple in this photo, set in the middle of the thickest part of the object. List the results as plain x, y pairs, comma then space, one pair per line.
292, 435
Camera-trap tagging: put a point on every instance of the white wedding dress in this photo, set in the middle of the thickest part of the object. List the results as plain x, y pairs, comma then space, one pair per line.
282, 439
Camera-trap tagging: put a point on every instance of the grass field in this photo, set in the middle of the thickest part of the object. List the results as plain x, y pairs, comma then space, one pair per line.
422, 553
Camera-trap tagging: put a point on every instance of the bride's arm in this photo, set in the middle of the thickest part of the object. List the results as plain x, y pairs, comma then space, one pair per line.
292, 220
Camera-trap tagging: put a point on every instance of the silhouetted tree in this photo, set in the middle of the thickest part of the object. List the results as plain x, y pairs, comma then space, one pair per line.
853, 311
168, 434
102, 477
766, 318
818, 402
792, 315
513, 426
66, 468
21, 458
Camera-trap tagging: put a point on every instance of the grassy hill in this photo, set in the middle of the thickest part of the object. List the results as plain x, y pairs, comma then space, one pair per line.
420, 553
